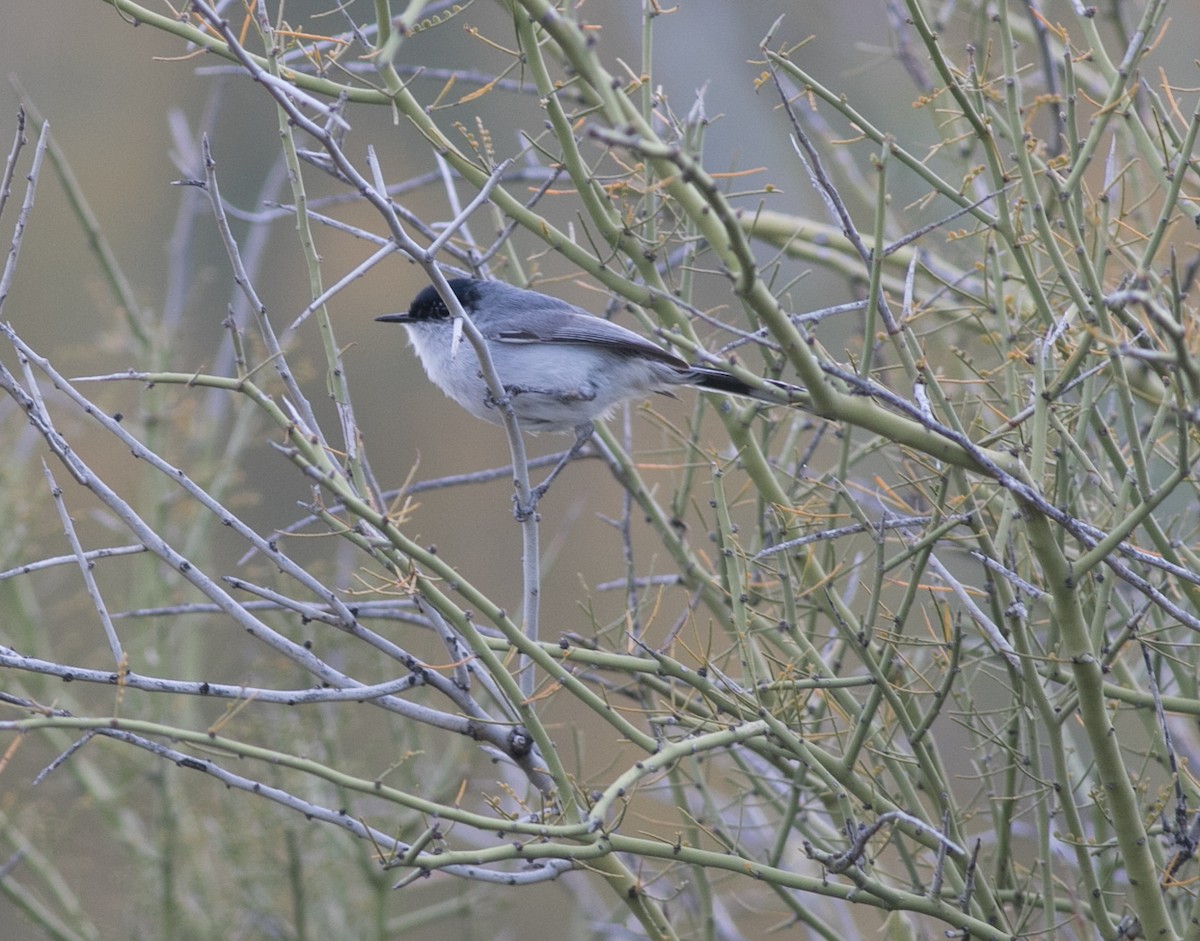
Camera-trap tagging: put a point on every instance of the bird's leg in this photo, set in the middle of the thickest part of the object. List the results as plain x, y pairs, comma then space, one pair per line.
583, 433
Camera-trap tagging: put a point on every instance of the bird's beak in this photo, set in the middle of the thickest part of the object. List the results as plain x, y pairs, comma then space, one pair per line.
393, 318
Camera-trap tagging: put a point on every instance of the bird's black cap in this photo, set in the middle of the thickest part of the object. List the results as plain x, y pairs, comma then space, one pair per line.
428, 304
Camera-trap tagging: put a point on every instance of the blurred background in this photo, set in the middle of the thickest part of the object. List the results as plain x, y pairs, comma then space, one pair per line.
126, 105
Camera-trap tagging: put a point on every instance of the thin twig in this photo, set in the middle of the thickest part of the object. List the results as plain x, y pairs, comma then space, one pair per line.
85, 569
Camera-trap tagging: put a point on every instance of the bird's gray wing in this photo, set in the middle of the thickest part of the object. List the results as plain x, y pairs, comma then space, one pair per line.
548, 320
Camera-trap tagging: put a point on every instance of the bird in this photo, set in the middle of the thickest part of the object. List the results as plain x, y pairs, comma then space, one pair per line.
562, 369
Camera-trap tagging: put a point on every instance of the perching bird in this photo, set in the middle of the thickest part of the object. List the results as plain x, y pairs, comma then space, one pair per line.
561, 367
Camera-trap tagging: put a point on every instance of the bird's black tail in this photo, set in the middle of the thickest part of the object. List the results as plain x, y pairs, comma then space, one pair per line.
715, 380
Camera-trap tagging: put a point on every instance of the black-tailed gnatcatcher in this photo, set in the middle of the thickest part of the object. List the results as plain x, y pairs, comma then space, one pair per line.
561, 367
